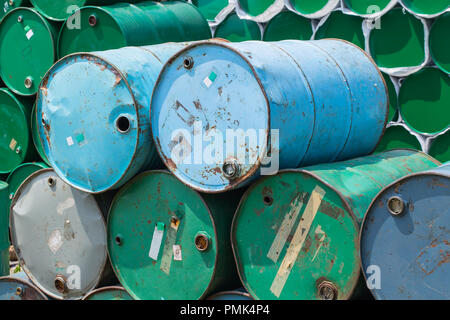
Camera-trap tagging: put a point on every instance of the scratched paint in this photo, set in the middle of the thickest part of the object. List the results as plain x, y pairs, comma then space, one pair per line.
321, 247
19, 287
300, 88
410, 247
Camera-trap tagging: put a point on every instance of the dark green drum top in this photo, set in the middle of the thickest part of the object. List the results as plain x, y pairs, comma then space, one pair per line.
255, 7
288, 25
397, 137
439, 44
235, 29
440, 147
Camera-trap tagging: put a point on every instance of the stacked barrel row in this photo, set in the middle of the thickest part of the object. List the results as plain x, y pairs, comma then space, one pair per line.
407, 39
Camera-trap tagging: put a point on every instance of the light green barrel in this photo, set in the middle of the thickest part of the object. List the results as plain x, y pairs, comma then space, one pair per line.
255, 7
440, 147
27, 49
313, 8
426, 7
295, 234
424, 101
166, 241
342, 26
121, 25
108, 293
210, 8
288, 25
4, 230
369, 7
235, 29
399, 42
8, 5
397, 137
16, 144
439, 44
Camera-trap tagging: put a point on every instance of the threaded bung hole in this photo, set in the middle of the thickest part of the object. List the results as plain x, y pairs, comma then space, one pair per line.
123, 124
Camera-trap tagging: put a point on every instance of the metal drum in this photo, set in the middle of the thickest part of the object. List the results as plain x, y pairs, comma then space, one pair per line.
405, 238
239, 294
108, 293
439, 48
8, 5
295, 235
93, 115
4, 230
168, 242
252, 99
18, 287
59, 235
288, 25
236, 29
122, 25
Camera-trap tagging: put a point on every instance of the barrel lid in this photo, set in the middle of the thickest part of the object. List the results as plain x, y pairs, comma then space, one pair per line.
8, 5
90, 140
439, 48
404, 238
14, 137
57, 10
108, 293
13, 288
20, 173
236, 29
309, 7
59, 235
27, 50
255, 7
440, 147
225, 99
426, 7
300, 238
367, 7
288, 25
98, 31
210, 9
424, 98
154, 227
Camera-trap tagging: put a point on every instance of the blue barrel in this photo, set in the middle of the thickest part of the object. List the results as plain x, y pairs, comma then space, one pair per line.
404, 242
18, 286
218, 109
93, 115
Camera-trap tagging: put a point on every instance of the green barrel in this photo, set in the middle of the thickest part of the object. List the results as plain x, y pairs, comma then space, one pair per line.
393, 98
424, 100
166, 241
16, 144
288, 25
399, 42
255, 7
19, 174
313, 8
210, 8
369, 7
108, 293
235, 29
440, 147
427, 8
439, 44
397, 137
4, 229
8, 5
121, 25
295, 234
35, 136
60, 10
341, 26
27, 49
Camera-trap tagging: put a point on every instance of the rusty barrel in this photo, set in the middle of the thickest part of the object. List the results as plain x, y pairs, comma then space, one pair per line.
404, 240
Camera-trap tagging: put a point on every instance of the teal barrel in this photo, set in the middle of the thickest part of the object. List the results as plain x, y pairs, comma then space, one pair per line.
4, 229
111, 27
168, 242
295, 234
108, 293
404, 239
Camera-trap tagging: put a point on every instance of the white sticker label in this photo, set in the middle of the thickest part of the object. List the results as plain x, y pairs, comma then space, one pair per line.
156, 243
69, 141
177, 253
29, 34
12, 144
55, 241
207, 82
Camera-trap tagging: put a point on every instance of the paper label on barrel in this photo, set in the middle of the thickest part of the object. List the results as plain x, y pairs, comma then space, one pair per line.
69, 141
209, 80
177, 252
12, 144
29, 32
156, 241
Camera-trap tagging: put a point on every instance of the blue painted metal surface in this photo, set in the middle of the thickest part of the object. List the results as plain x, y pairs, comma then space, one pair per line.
19, 287
93, 115
327, 99
404, 242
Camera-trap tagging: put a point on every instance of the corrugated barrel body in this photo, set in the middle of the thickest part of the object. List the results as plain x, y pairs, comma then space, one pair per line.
59, 235
93, 115
295, 234
310, 101
168, 242
405, 245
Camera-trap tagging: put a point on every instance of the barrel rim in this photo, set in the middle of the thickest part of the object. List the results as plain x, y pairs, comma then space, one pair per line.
346, 206
102, 289
438, 20
19, 254
43, 85
122, 190
48, 28
234, 183
11, 278
231, 292
45, 14
382, 192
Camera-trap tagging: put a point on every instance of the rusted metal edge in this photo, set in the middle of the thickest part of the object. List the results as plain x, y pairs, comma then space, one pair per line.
237, 293
102, 289
11, 278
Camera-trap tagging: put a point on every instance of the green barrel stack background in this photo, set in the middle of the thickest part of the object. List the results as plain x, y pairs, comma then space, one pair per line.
408, 39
